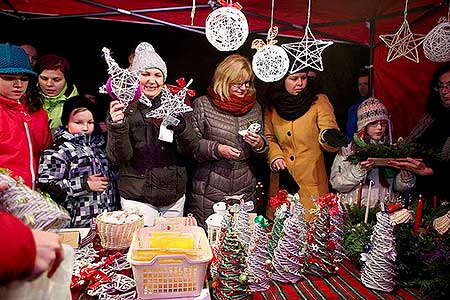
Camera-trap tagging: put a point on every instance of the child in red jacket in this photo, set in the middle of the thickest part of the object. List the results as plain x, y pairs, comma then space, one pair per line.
24, 131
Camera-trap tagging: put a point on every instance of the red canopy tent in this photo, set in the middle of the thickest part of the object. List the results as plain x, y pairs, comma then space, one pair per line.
401, 84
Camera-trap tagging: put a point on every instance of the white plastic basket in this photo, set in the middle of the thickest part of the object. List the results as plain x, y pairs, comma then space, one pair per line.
171, 275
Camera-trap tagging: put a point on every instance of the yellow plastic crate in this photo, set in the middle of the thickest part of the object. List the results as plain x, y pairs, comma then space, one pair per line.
171, 272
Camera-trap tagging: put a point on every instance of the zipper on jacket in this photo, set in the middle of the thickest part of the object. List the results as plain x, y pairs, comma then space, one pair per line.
30, 147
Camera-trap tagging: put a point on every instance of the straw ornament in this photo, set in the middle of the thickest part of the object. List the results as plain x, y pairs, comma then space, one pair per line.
442, 224
122, 85
403, 42
307, 52
226, 28
436, 45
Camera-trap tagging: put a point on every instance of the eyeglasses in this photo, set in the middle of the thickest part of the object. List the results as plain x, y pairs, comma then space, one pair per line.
376, 123
242, 84
442, 86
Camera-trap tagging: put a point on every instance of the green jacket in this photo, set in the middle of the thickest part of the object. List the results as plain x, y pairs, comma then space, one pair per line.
54, 106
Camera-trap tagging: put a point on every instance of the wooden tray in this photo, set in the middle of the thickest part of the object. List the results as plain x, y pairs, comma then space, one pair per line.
383, 161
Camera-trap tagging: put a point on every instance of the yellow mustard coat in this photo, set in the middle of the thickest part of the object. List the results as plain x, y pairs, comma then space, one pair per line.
298, 143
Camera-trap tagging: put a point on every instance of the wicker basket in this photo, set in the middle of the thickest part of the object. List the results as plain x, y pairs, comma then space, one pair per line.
117, 236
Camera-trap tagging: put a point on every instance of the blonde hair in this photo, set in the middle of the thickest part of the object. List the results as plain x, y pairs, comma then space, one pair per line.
234, 68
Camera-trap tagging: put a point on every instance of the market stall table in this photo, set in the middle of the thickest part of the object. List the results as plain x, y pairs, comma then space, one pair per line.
345, 285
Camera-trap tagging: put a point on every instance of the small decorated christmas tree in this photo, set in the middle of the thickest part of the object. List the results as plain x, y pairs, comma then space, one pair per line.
288, 256
243, 230
378, 271
257, 264
231, 280
337, 213
216, 247
320, 246
280, 203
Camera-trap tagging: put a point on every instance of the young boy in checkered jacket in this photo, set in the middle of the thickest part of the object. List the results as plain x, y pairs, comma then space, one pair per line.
74, 170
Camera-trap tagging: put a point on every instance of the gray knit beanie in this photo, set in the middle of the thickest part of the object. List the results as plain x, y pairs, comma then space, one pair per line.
146, 58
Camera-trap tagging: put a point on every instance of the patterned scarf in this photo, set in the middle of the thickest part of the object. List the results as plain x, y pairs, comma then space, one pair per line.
235, 106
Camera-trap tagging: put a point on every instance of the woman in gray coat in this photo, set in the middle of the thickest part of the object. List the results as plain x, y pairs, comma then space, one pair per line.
225, 121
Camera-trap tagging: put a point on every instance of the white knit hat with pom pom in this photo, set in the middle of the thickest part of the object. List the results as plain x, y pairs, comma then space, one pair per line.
146, 58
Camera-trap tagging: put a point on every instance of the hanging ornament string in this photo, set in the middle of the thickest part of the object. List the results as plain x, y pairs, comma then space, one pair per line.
309, 15
192, 12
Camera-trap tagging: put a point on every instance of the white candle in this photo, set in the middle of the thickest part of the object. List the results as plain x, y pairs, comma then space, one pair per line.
366, 216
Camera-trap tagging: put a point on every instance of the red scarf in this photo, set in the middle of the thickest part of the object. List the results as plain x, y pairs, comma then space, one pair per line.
235, 106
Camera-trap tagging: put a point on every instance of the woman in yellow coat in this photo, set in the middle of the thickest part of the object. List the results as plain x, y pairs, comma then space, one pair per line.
299, 125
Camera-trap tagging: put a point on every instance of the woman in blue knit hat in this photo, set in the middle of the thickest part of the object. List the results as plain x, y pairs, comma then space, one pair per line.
24, 131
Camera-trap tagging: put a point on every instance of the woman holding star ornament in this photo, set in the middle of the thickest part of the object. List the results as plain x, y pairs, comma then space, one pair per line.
152, 174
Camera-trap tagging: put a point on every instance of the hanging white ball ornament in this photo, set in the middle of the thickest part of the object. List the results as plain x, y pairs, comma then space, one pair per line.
226, 28
436, 45
270, 63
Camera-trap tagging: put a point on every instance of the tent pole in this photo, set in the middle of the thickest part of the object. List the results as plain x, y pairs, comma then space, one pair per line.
127, 12
114, 13
371, 54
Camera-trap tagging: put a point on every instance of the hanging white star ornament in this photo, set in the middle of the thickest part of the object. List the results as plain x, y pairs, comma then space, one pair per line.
307, 52
403, 43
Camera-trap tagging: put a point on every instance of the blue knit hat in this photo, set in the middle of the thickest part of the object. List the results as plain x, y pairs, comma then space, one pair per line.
14, 60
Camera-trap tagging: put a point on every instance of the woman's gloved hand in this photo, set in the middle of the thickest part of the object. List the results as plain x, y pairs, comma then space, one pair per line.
178, 128
334, 138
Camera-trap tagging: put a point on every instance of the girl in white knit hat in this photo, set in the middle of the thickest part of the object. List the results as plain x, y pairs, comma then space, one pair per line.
373, 124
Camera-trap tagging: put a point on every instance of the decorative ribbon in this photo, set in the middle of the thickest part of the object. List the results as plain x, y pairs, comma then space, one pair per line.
226, 4
261, 221
279, 199
181, 85
394, 207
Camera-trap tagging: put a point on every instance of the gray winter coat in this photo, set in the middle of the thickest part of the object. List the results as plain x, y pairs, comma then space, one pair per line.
213, 177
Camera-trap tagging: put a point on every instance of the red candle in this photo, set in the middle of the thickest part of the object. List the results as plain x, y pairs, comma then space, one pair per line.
434, 201
418, 216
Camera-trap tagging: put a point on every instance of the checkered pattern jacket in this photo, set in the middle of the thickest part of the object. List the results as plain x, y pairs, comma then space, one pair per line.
63, 171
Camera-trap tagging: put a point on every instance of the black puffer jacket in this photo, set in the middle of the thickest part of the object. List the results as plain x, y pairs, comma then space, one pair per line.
150, 170
213, 176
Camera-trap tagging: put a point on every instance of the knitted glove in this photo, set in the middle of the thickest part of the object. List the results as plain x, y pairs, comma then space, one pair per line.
334, 138
180, 127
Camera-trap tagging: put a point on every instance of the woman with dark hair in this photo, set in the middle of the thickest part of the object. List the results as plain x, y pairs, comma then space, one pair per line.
433, 131
299, 125
54, 86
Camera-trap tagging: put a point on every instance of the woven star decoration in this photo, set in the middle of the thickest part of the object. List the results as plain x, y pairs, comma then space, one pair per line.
403, 43
123, 84
307, 52
171, 104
